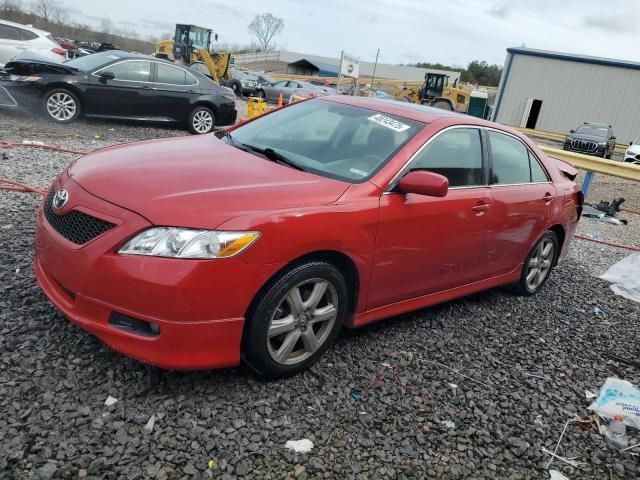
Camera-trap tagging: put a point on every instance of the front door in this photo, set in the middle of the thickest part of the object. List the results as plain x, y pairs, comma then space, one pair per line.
521, 196
128, 94
427, 244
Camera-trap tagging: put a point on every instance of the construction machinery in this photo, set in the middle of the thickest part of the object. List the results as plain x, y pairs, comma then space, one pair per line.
191, 46
437, 92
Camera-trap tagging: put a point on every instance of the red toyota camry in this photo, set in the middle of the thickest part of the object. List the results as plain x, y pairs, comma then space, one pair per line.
262, 241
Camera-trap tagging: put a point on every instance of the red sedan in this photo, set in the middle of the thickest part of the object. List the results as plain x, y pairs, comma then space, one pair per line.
262, 241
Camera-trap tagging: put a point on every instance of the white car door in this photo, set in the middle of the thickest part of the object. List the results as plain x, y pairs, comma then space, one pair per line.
11, 43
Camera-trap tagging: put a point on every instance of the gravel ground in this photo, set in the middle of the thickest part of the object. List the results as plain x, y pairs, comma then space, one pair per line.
383, 403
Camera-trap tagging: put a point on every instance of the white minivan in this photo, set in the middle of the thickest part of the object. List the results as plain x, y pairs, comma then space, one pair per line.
16, 38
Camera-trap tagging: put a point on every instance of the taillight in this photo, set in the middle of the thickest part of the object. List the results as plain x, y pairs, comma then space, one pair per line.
59, 51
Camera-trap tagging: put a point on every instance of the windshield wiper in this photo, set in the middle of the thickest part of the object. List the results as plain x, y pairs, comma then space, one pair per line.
230, 141
274, 156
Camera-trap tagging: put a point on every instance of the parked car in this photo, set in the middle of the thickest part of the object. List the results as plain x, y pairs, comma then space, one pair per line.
264, 79
195, 252
120, 85
632, 155
65, 43
16, 38
592, 139
287, 88
242, 83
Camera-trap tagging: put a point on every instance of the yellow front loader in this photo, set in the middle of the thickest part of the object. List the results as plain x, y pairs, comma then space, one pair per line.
437, 92
191, 47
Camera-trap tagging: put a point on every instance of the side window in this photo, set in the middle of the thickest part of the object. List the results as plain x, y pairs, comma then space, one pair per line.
538, 173
136, 71
456, 154
9, 33
171, 75
510, 159
280, 84
292, 84
27, 35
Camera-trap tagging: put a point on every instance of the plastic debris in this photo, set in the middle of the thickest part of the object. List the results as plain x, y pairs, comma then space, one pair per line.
148, 428
301, 446
212, 463
616, 433
598, 312
449, 424
357, 394
556, 475
590, 395
618, 397
588, 211
110, 401
624, 277
453, 385
539, 421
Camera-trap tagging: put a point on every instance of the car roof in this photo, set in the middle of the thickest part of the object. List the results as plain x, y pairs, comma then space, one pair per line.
25, 27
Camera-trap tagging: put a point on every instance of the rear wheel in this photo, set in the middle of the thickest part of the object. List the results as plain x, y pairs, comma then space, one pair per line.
236, 86
201, 120
261, 94
295, 320
62, 105
443, 105
538, 265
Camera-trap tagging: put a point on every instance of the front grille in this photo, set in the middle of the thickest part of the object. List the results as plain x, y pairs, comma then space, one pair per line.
6, 100
584, 145
75, 226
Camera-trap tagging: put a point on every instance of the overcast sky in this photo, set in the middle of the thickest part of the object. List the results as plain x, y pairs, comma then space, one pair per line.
451, 32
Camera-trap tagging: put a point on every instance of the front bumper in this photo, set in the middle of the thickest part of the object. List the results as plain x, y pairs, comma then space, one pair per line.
199, 306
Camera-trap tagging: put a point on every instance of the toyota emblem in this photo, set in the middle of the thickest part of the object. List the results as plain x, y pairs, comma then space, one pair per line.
60, 199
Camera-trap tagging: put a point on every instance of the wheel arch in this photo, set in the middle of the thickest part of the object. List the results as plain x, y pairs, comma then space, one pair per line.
341, 261
443, 99
561, 234
66, 86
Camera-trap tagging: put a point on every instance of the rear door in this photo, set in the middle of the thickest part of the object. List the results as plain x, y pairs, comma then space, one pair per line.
11, 43
521, 194
173, 88
128, 95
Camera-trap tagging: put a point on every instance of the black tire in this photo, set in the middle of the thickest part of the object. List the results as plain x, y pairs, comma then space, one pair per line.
442, 105
261, 94
196, 118
57, 105
236, 86
525, 287
258, 346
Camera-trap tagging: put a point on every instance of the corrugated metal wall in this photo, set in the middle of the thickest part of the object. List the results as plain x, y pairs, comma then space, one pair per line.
571, 93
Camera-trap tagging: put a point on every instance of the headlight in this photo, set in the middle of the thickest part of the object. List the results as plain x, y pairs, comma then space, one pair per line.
188, 243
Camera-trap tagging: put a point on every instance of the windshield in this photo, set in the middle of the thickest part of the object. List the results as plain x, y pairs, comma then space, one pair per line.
90, 62
592, 130
330, 139
265, 79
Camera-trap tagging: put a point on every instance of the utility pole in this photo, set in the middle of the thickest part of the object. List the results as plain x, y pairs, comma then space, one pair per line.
374, 68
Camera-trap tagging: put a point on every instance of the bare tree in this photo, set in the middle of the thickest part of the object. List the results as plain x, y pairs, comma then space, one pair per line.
265, 27
9, 6
60, 15
44, 9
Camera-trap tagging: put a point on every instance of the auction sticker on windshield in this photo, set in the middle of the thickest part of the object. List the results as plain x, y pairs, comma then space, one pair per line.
389, 122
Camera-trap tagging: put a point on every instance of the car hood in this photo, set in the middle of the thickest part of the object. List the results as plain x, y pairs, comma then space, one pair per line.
29, 63
197, 182
590, 138
634, 149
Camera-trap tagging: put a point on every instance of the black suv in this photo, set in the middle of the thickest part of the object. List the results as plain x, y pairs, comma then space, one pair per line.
591, 139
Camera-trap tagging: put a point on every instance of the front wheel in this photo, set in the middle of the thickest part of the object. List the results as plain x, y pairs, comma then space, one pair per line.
261, 94
538, 265
201, 120
62, 105
295, 320
442, 105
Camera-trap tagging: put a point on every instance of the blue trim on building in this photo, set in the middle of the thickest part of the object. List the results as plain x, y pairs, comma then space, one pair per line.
574, 58
504, 85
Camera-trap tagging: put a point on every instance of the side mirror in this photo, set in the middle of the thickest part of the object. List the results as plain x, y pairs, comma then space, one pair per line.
630, 143
572, 131
107, 75
424, 183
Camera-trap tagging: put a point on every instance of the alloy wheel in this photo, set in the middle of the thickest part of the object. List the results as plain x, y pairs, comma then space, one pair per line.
540, 264
302, 321
61, 106
202, 121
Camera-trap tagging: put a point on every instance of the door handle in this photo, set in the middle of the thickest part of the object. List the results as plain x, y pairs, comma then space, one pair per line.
482, 207
547, 197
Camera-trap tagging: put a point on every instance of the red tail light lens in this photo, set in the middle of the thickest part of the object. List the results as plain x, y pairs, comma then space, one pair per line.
59, 51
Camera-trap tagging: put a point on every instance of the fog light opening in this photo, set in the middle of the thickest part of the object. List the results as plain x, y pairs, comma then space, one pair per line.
133, 325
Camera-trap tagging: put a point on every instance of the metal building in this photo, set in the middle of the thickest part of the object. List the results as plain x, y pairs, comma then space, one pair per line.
555, 92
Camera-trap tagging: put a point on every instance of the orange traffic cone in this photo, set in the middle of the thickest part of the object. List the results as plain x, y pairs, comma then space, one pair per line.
280, 101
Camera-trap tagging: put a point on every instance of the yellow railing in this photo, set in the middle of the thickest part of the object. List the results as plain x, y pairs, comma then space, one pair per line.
589, 163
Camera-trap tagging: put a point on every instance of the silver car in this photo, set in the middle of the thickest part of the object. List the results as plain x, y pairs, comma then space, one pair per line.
287, 88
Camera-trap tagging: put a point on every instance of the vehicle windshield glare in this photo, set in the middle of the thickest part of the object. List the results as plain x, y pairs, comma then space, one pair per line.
592, 130
90, 62
330, 139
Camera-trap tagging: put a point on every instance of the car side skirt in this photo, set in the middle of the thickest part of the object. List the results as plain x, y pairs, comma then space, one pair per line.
417, 303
